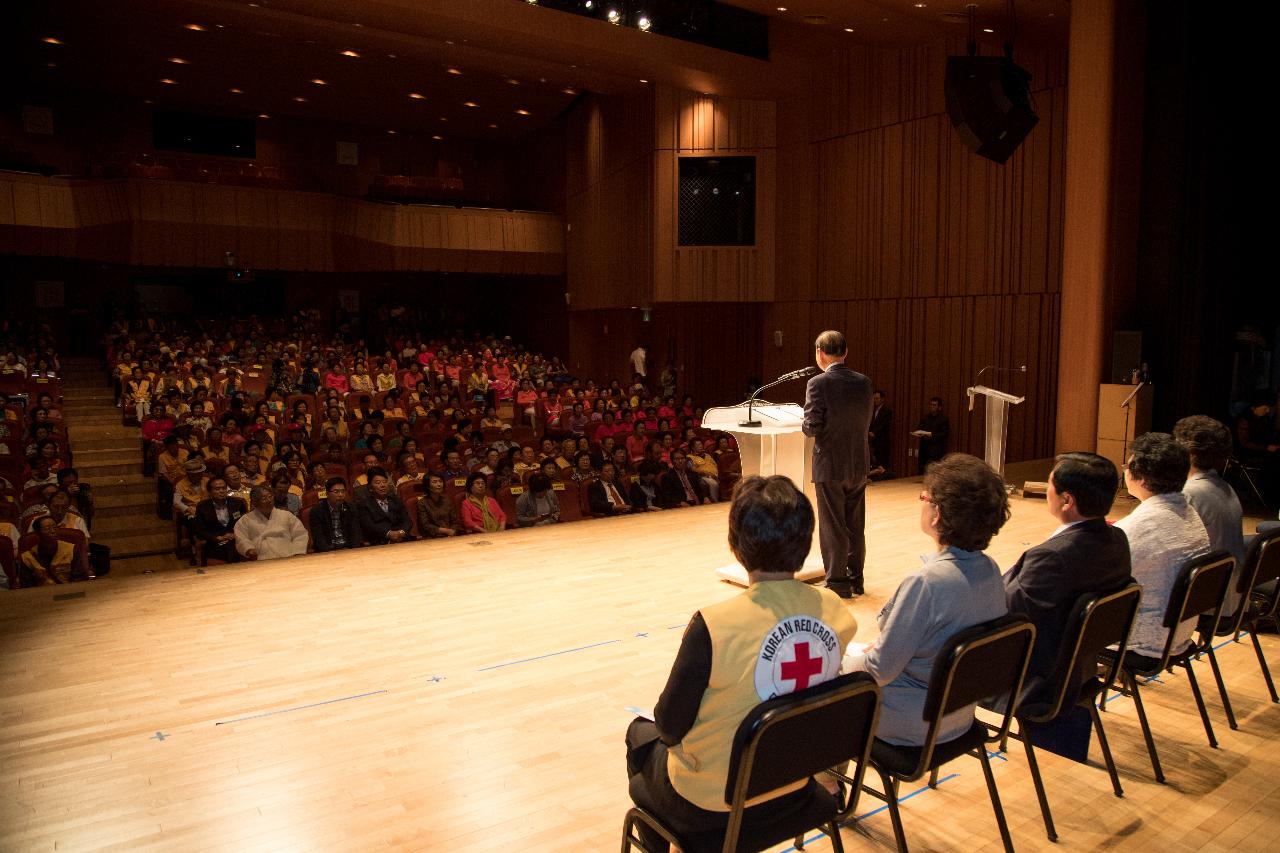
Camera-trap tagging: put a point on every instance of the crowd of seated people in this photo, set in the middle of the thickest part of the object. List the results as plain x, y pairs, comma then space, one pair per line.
424, 437
45, 511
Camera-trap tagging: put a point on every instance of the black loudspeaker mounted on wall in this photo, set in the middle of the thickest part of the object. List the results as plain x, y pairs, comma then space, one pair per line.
989, 103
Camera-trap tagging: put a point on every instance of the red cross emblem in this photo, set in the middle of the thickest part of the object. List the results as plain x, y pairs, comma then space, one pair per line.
802, 668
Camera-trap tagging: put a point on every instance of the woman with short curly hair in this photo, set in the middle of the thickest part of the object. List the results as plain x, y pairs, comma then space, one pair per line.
963, 505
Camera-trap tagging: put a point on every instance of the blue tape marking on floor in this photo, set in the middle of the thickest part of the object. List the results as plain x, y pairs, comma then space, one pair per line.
299, 708
999, 755
877, 811
1156, 678
548, 655
681, 625
1229, 642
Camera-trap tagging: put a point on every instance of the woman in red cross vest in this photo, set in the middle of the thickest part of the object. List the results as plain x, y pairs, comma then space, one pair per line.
777, 636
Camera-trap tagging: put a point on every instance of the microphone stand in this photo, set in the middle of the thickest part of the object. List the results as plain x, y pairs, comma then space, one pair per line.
1127, 405
751, 422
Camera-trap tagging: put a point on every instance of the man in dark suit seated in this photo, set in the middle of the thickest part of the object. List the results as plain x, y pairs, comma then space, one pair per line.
333, 521
680, 486
383, 517
215, 521
605, 495
1084, 555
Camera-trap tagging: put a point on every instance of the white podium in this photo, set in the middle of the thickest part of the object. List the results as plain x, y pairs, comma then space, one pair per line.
777, 446
998, 403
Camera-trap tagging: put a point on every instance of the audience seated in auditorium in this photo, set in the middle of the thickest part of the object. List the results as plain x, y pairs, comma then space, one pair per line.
1208, 443
267, 532
333, 522
215, 521
190, 490
679, 763
963, 505
1164, 532
383, 517
1084, 555
480, 513
59, 506
538, 504
704, 467
283, 492
644, 494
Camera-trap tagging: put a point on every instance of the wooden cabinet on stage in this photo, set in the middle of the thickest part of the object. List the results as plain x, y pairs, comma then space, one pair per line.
1116, 431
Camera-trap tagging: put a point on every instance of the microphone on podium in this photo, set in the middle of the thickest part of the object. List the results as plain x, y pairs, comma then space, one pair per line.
802, 373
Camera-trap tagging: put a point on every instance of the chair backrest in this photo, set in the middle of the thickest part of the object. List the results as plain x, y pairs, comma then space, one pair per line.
978, 663
8, 561
1098, 620
570, 504
1264, 556
797, 735
1199, 591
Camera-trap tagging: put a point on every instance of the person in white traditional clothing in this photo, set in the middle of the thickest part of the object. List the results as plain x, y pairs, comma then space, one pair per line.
267, 533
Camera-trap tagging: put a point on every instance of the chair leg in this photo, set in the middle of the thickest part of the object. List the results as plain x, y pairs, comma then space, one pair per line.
895, 816
1034, 765
833, 832
1222, 688
933, 778
1106, 750
1204, 713
995, 799
1262, 662
1132, 682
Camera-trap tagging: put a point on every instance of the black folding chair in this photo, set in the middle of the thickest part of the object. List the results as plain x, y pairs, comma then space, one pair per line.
1262, 600
784, 740
1097, 620
1199, 590
987, 660
1231, 623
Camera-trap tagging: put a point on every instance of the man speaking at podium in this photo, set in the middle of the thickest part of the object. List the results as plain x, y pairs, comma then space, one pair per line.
837, 414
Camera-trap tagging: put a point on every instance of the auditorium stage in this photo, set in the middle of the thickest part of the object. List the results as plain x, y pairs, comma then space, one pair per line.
472, 694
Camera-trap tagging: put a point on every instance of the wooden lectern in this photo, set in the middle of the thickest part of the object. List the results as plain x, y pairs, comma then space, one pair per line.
777, 446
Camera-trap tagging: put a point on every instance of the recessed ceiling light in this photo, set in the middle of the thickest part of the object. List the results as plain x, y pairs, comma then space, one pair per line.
782, 8
848, 29
51, 65
350, 53
196, 28
454, 70
417, 96
177, 60
642, 80
522, 112
444, 118
919, 5
644, 24
437, 137
318, 82
263, 115
51, 40
569, 91
987, 30
300, 99
147, 101
235, 91
392, 132
470, 104
614, 16
168, 82
493, 127
511, 81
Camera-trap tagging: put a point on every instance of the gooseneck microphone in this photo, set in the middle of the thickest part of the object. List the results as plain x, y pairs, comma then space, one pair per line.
802, 373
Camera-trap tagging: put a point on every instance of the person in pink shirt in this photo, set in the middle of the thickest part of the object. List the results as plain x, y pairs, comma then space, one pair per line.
336, 378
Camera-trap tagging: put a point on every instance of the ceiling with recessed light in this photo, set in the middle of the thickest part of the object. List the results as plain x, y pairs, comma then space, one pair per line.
481, 69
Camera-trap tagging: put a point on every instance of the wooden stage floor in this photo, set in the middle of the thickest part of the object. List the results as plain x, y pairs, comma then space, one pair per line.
472, 694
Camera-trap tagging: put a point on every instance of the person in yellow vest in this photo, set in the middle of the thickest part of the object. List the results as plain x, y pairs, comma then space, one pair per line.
50, 560
190, 490
776, 637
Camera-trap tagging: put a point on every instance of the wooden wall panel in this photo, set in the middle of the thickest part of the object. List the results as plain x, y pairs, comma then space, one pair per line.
176, 224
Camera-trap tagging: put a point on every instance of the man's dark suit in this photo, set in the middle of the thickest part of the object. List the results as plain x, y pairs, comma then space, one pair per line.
376, 524
881, 423
206, 527
837, 414
671, 491
1091, 556
321, 524
599, 501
